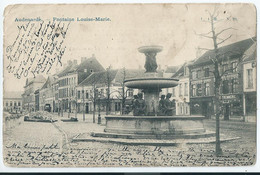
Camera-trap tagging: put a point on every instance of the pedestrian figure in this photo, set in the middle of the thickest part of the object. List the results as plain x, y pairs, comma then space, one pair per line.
162, 105
168, 105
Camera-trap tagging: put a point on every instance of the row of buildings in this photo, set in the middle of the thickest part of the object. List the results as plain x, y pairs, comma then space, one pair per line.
195, 92
81, 86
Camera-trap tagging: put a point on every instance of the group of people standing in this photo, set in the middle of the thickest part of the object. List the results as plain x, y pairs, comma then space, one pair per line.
166, 106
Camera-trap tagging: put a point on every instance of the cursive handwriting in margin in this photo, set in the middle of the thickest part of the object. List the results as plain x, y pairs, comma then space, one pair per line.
36, 48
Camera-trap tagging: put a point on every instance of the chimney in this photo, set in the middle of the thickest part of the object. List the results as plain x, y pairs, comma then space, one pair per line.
83, 59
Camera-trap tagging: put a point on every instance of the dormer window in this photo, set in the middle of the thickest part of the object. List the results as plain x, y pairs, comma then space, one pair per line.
85, 70
91, 70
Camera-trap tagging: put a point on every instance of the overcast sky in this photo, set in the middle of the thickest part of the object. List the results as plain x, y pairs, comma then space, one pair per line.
115, 42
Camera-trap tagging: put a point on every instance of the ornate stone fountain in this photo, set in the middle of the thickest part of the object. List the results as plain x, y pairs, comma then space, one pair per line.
149, 125
151, 84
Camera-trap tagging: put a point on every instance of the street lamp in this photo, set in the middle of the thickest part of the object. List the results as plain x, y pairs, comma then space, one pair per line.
83, 105
99, 117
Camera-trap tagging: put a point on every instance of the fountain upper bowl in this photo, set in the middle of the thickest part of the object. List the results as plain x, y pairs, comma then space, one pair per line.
151, 83
153, 48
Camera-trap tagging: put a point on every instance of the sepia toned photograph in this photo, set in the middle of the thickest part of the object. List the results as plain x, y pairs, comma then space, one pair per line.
129, 85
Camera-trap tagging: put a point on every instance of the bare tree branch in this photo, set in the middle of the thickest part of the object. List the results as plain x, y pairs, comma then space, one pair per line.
205, 49
224, 40
217, 34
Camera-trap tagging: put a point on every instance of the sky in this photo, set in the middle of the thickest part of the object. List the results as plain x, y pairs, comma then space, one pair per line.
175, 27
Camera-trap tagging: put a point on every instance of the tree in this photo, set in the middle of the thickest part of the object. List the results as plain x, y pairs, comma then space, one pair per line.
108, 85
93, 96
123, 93
216, 36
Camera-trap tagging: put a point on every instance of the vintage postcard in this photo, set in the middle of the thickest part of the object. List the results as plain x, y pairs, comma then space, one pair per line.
129, 85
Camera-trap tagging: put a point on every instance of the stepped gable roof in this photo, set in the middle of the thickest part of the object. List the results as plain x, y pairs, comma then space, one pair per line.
237, 48
12, 94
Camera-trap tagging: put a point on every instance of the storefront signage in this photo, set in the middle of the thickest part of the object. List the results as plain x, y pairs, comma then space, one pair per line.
228, 97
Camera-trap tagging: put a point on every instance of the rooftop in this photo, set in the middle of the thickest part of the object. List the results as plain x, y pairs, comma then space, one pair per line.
237, 48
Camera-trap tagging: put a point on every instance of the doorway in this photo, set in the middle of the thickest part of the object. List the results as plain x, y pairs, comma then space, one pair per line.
226, 111
87, 108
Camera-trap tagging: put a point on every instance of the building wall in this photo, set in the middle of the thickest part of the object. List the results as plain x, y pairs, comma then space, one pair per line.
66, 90
249, 78
249, 88
203, 88
181, 96
115, 97
12, 104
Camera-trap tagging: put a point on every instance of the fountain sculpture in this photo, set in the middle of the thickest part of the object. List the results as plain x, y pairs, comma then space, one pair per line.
152, 118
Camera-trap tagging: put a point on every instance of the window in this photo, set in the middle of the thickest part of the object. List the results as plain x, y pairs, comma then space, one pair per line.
207, 89
207, 72
234, 67
199, 90
198, 74
234, 86
78, 94
173, 92
186, 71
225, 67
91, 70
102, 92
15, 103
87, 95
186, 89
194, 75
249, 78
11, 103
130, 92
6, 104
225, 87
180, 89
193, 87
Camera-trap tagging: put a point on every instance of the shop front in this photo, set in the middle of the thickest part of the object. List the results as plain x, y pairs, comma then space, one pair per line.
202, 106
232, 106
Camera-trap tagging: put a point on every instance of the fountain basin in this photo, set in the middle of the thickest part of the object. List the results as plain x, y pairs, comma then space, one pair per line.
155, 125
151, 82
